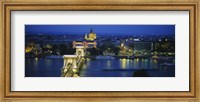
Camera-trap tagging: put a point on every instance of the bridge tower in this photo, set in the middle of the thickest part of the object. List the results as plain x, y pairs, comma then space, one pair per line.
69, 66
72, 63
80, 51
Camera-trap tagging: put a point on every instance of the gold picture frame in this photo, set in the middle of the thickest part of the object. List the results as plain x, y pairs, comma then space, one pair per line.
127, 5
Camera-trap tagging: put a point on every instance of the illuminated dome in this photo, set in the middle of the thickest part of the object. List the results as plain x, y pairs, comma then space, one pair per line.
91, 36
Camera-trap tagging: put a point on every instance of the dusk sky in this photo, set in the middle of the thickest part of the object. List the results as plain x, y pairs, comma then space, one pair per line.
101, 29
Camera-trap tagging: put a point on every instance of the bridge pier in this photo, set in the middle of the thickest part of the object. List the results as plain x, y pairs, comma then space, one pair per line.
72, 63
70, 66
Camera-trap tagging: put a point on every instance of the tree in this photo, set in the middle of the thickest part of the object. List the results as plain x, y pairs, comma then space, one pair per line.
54, 49
64, 49
141, 73
109, 46
94, 51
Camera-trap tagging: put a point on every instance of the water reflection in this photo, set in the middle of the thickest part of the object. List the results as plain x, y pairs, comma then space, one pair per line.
40, 67
36, 61
136, 63
123, 63
108, 64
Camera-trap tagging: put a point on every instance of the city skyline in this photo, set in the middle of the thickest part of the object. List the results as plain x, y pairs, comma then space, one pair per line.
102, 29
83, 51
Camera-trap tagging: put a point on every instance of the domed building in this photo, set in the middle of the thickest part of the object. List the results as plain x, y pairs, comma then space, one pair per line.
89, 41
91, 36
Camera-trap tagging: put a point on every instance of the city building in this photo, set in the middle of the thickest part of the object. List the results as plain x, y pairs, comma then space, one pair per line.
89, 41
91, 36
142, 45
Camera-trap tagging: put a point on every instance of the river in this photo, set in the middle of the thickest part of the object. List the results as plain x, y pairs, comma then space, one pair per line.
41, 67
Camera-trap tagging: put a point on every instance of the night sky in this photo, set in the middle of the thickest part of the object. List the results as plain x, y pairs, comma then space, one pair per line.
101, 29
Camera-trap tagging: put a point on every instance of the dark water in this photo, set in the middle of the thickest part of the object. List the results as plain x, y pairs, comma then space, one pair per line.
41, 67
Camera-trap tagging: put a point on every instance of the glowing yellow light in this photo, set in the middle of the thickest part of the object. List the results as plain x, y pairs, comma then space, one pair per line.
142, 60
28, 49
123, 60
123, 63
155, 61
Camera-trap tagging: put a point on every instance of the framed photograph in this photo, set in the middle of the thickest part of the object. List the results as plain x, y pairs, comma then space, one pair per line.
100, 50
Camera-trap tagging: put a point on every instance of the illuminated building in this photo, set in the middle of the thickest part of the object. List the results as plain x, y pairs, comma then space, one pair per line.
86, 44
29, 47
91, 36
89, 41
141, 46
125, 50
